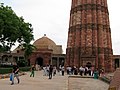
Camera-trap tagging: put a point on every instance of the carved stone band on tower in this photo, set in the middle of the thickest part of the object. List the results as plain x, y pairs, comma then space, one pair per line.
89, 36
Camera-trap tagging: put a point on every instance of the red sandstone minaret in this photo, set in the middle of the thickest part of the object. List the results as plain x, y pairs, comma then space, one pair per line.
89, 36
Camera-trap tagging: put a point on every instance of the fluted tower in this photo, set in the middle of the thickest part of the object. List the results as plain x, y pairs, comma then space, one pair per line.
89, 36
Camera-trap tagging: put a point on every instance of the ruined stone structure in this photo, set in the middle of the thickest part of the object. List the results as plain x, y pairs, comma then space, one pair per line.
89, 36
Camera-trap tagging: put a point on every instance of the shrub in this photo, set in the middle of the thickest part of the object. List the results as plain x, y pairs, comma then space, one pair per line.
9, 70
5, 70
24, 69
22, 63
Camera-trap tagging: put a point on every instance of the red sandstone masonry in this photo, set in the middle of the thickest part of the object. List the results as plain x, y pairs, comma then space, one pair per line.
115, 83
89, 36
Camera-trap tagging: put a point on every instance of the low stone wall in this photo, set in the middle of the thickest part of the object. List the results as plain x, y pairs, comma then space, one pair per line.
104, 78
115, 82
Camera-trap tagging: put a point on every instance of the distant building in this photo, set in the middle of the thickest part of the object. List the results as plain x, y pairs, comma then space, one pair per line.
46, 52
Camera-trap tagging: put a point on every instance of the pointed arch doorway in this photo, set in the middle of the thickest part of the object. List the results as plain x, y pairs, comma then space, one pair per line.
39, 61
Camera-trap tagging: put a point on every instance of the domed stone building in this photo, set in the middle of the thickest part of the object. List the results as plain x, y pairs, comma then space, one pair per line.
47, 52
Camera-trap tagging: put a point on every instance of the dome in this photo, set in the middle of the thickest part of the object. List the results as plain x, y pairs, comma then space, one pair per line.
44, 43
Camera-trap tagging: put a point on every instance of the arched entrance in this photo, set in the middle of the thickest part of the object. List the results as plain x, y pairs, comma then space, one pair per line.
39, 61
88, 65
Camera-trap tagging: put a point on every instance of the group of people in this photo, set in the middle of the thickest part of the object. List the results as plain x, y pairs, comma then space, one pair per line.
50, 70
91, 71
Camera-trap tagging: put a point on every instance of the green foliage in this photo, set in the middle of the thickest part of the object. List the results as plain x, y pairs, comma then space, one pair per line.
28, 48
13, 29
5, 70
22, 63
9, 70
4, 48
24, 69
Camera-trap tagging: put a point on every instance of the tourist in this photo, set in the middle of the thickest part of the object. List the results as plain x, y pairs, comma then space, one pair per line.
15, 73
89, 71
50, 71
92, 70
96, 74
102, 74
32, 71
67, 69
47, 68
44, 71
81, 70
37, 67
54, 70
75, 70
62, 69
86, 71
72, 70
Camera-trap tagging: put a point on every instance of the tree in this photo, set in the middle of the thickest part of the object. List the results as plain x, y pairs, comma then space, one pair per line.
13, 29
28, 48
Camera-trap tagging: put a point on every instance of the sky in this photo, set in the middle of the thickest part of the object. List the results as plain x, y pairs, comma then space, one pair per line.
51, 17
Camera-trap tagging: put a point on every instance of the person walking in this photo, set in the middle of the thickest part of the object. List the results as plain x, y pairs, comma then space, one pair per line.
32, 71
15, 73
50, 71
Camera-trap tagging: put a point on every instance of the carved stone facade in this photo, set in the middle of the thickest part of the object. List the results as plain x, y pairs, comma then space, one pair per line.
89, 35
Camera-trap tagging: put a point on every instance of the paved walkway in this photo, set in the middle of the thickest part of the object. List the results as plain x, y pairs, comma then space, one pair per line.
40, 82
86, 84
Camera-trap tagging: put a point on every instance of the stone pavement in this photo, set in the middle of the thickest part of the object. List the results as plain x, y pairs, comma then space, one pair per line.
115, 81
86, 84
40, 82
